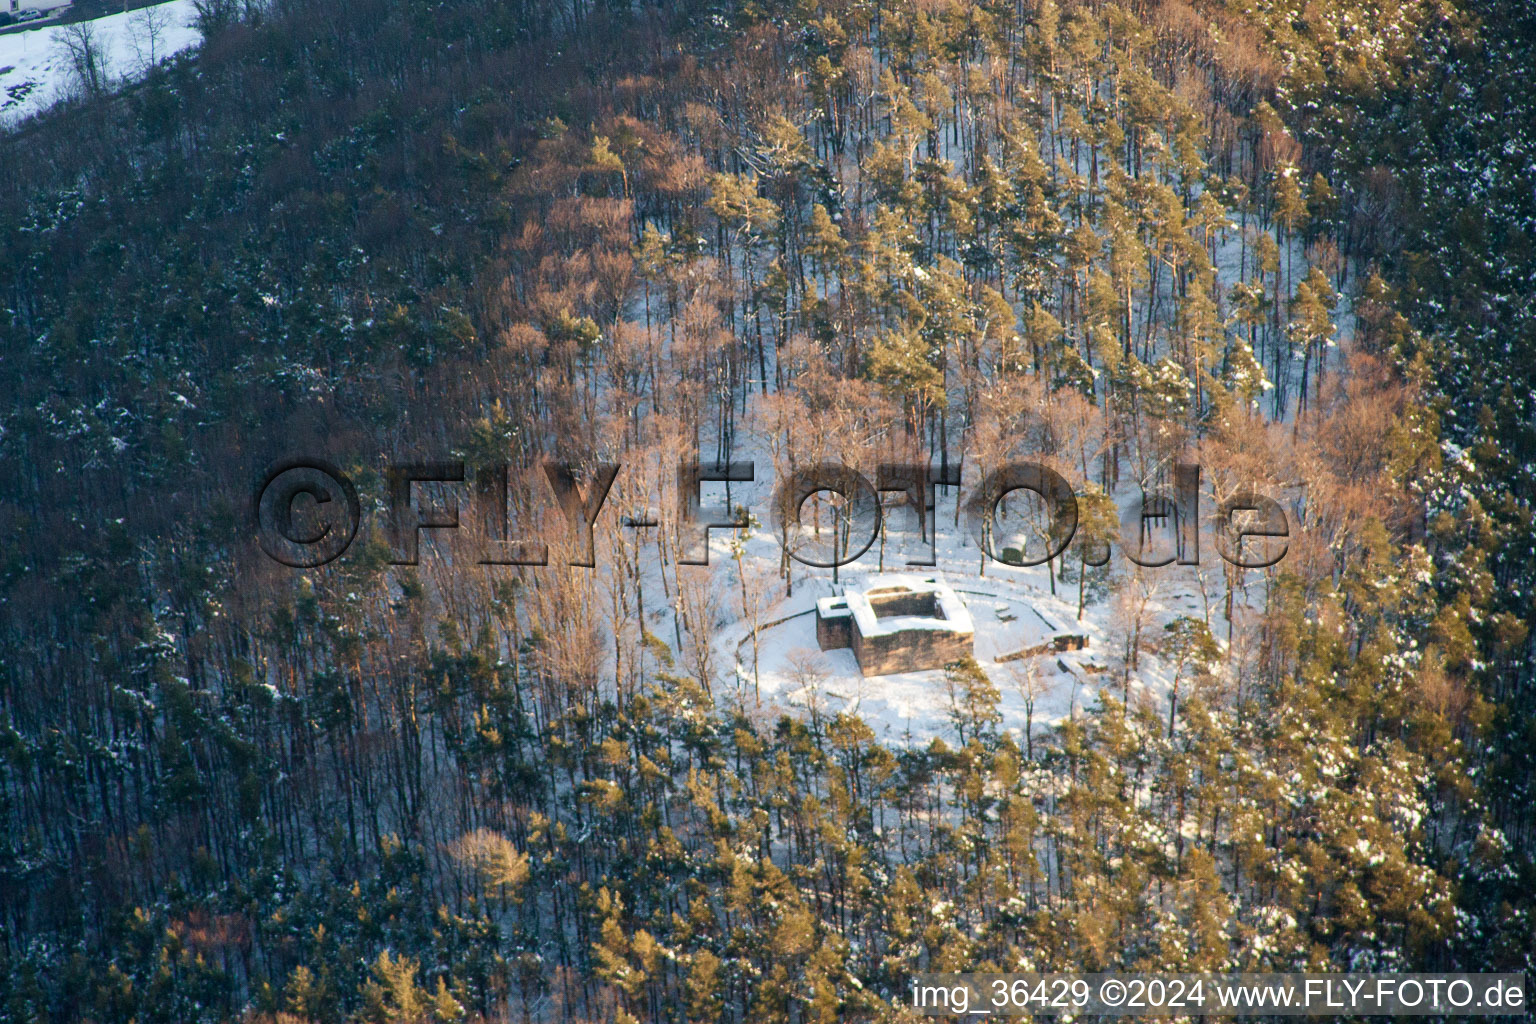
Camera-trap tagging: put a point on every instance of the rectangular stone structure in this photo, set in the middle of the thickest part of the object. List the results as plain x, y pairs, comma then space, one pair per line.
897, 623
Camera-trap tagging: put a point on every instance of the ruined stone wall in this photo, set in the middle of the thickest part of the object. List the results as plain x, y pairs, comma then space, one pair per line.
923, 605
911, 650
833, 634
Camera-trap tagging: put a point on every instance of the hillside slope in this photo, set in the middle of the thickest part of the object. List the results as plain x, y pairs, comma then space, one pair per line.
1112, 239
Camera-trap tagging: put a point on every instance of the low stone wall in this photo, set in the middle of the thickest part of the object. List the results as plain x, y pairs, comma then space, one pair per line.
910, 650
1056, 645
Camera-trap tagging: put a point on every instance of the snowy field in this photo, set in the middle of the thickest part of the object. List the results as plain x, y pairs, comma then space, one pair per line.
1013, 610
36, 72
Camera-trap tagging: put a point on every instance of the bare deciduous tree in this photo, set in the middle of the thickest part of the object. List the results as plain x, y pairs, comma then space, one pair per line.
146, 33
1031, 687
86, 55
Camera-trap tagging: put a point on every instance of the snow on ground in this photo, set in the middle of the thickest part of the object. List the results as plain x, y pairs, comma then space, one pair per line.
35, 69
1013, 609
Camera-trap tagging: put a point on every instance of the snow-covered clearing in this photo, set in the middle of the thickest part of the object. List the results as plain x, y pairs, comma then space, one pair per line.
1013, 609
36, 70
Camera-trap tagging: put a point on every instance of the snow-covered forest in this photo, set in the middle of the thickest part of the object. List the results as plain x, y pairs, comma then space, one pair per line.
1293, 244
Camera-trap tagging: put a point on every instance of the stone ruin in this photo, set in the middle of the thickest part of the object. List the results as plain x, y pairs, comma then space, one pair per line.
897, 623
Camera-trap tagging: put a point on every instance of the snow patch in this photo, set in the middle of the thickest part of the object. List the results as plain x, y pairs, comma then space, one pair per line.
36, 71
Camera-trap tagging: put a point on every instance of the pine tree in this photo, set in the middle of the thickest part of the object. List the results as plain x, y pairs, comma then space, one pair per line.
393, 997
